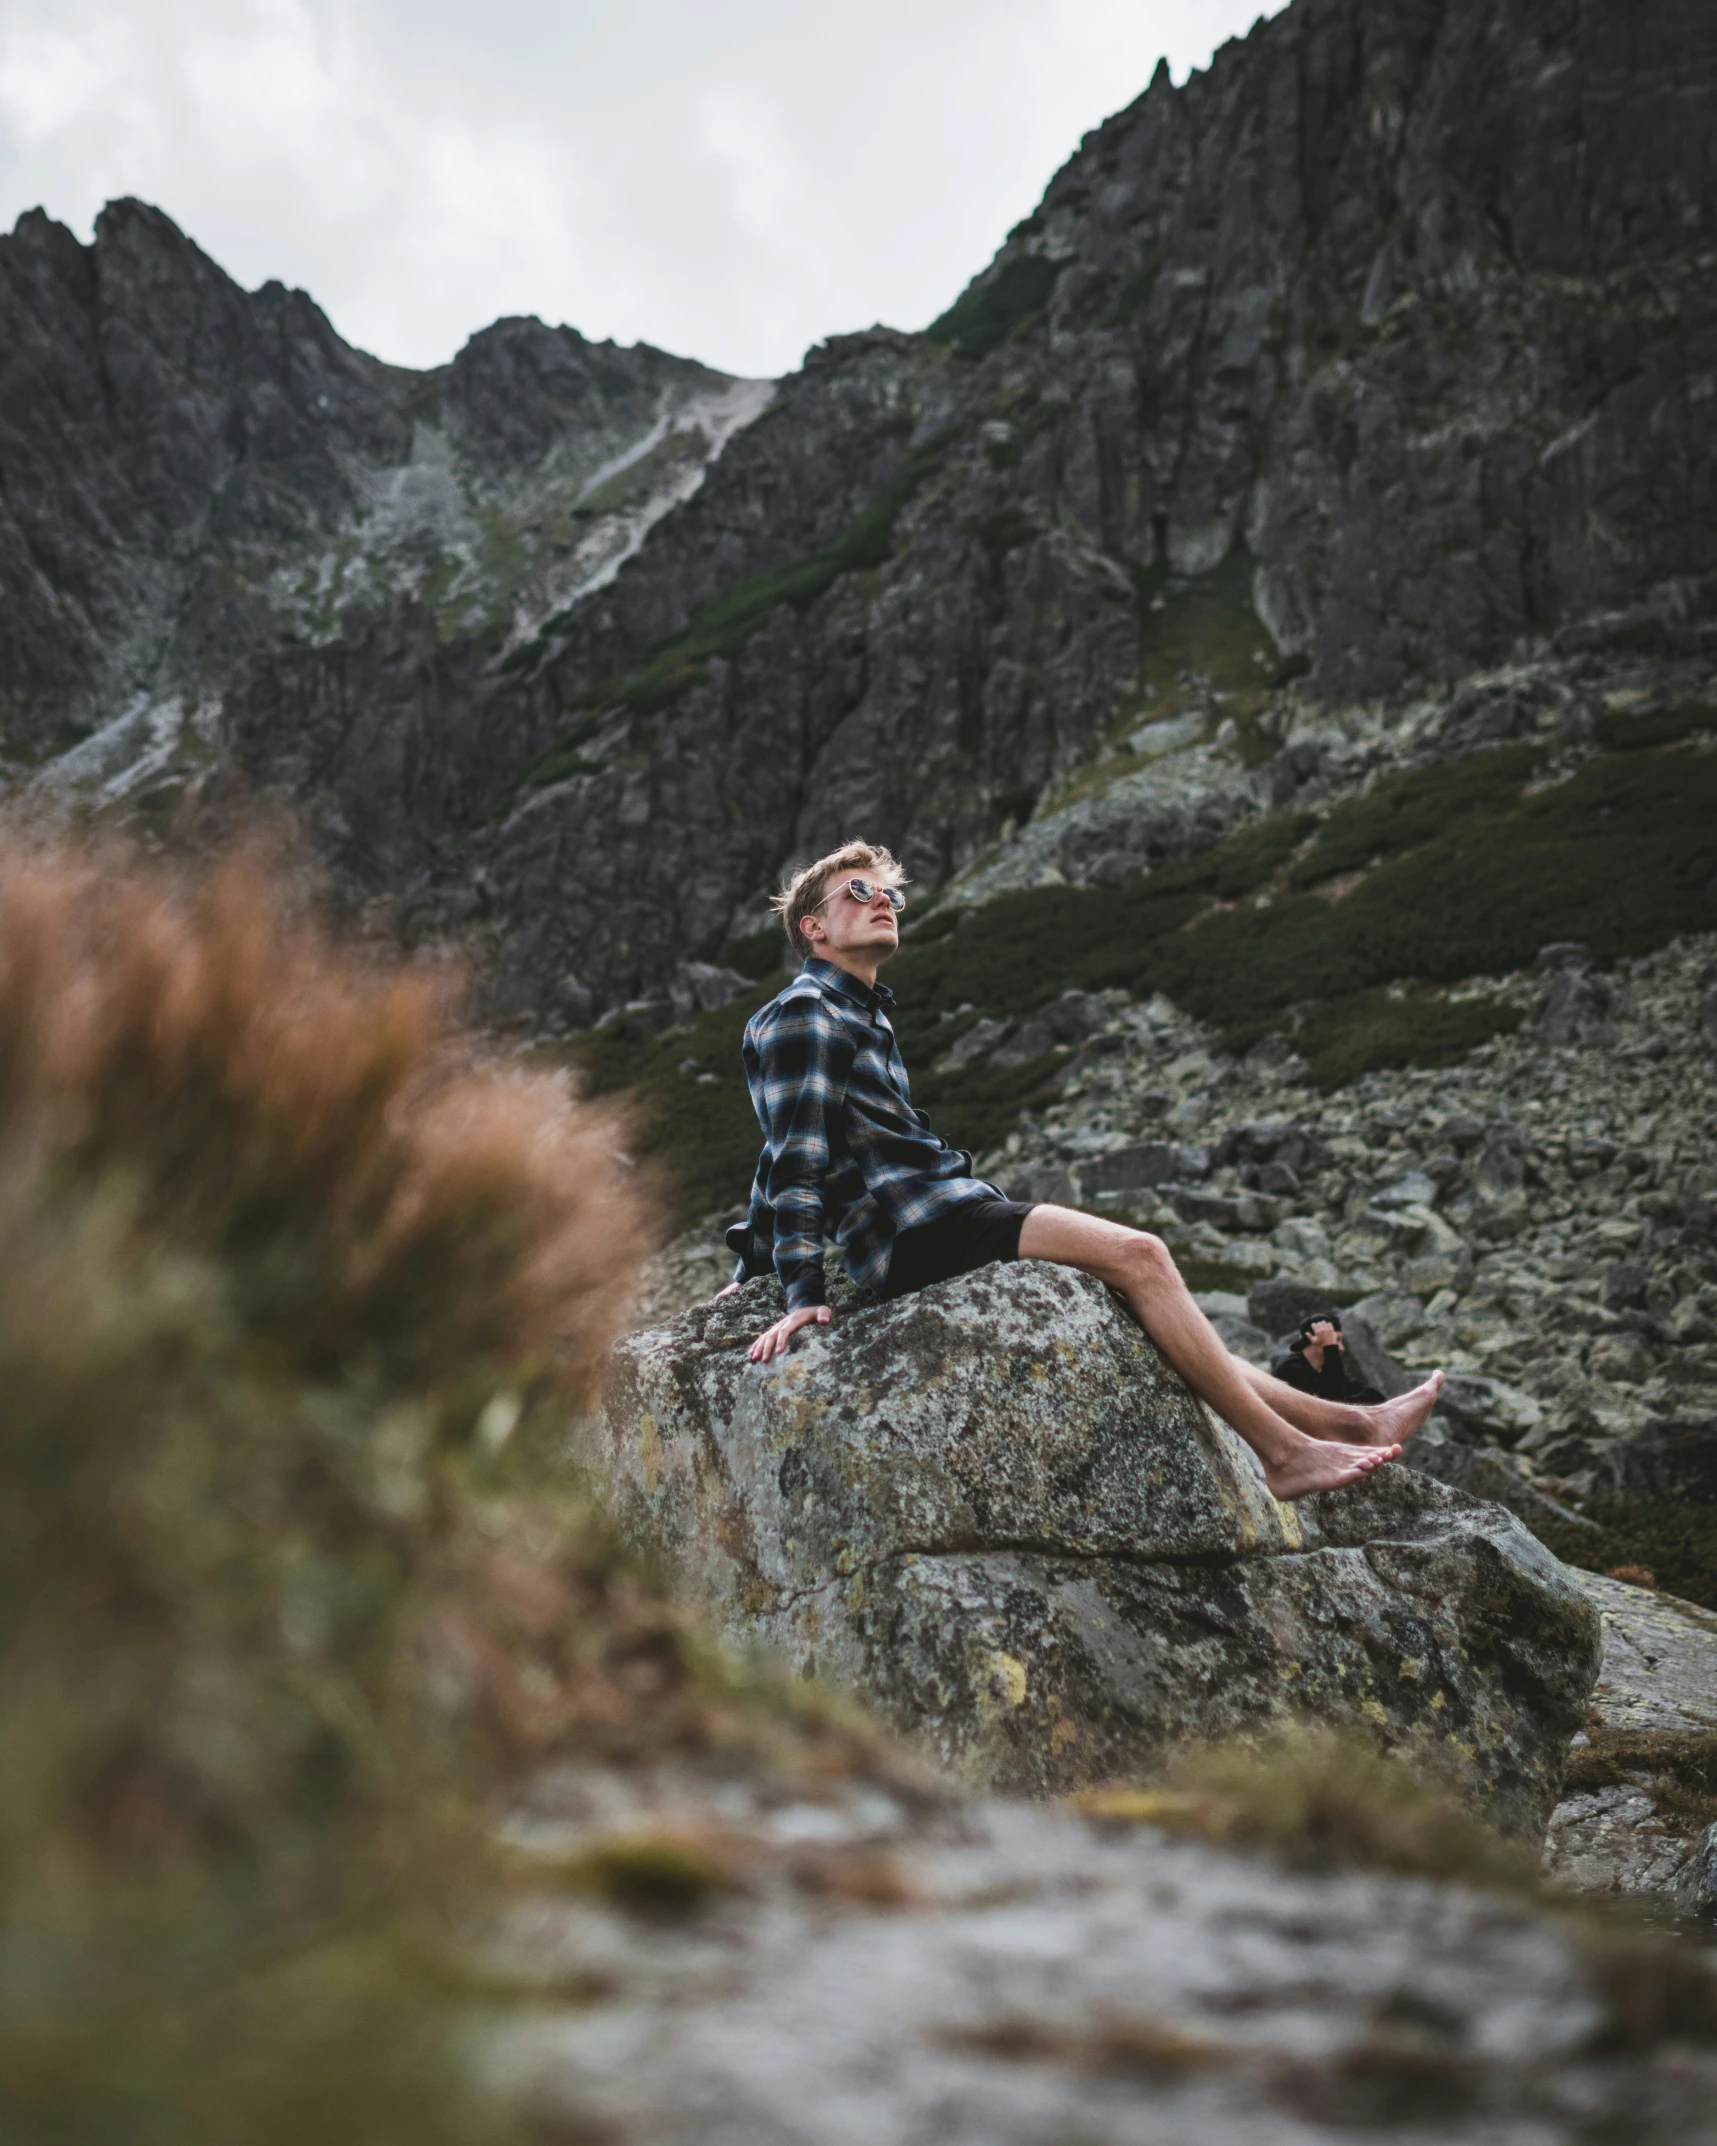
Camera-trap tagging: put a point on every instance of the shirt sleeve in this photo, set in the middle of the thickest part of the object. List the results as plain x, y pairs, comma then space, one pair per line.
806, 1058
1293, 1370
748, 1241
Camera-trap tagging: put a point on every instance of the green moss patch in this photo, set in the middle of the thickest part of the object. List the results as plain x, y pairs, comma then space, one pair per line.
1406, 810
1199, 637
1205, 625
1027, 419
1006, 531
1676, 1544
1682, 1763
1324, 1799
1618, 856
987, 313
703, 1133
979, 1106
1204, 1275
662, 1877
1378, 1029
1133, 292
755, 953
1621, 732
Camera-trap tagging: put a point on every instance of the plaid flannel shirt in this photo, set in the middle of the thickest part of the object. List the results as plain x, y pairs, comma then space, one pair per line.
845, 1155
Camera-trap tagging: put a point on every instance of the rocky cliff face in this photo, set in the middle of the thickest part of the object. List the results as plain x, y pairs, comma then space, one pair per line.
1393, 314
1380, 351
192, 473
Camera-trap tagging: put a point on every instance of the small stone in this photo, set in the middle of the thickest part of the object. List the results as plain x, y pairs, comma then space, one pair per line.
1042, 1181
1280, 1304
1150, 1162
703, 987
1674, 1460
980, 1039
1032, 1040
1625, 1285
1416, 1189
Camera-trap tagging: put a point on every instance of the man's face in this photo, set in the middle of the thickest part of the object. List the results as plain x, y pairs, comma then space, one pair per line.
850, 926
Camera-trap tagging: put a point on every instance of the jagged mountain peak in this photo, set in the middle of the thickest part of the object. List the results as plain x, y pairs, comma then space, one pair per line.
194, 472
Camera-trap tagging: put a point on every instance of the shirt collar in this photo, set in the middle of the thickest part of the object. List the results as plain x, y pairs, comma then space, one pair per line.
836, 979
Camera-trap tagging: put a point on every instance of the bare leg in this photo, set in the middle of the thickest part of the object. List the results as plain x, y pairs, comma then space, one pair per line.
1384, 1423
1141, 1268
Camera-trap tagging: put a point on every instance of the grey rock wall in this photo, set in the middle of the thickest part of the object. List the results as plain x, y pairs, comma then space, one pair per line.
1402, 314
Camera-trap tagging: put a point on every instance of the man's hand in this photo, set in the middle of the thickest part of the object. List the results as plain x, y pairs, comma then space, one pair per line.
774, 1342
732, 1289
1324, 1336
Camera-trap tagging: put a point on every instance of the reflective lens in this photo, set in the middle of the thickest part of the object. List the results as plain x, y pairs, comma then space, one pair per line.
861, 890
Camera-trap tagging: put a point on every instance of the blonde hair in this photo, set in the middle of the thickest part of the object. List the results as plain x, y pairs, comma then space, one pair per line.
805, 891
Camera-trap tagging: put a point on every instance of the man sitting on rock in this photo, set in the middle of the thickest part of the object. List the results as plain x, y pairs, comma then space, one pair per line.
1316, 1362
845, 1155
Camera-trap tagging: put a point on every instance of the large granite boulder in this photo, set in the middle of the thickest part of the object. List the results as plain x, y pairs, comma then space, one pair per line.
994, 1511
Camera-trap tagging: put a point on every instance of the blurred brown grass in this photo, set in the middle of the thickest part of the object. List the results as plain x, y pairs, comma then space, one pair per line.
314, 1117
297, 1288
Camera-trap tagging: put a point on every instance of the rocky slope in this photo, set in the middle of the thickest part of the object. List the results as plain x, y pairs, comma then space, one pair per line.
1535, 1219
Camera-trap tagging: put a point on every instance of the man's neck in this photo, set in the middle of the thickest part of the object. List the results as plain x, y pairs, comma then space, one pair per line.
861, 966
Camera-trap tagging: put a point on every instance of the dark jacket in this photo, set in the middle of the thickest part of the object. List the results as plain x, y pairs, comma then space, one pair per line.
1330, 1382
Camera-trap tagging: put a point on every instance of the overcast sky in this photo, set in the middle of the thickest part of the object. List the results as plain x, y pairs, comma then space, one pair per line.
727, 178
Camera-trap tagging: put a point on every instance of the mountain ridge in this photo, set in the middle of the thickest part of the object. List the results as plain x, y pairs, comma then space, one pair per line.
1315, 393
193, 471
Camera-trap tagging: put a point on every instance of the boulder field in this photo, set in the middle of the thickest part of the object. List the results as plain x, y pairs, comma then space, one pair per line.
993, 1511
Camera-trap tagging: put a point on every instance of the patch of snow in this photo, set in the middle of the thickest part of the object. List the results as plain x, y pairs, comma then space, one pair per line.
716, 415
113, 763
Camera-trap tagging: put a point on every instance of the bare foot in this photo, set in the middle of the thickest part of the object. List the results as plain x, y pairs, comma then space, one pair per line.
1392, 1423
1322, 1465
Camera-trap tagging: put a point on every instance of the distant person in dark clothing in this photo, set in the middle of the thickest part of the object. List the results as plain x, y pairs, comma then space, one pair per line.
1316, 1362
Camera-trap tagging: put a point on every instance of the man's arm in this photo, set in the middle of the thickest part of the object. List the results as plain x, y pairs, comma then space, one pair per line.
744, 1238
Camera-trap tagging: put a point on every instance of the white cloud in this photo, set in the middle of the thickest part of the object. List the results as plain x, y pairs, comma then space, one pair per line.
731, 181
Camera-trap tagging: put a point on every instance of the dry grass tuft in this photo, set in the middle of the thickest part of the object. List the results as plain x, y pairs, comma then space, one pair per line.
315, 1118
1137, 2045
1324, 1800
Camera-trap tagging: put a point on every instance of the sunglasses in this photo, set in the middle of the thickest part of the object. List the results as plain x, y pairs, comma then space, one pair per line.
862, 891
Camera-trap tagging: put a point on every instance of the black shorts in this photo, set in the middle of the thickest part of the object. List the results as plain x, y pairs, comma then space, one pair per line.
971, 1236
